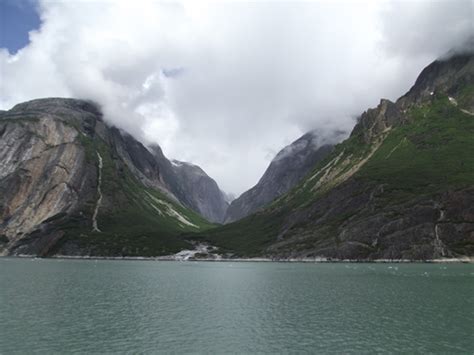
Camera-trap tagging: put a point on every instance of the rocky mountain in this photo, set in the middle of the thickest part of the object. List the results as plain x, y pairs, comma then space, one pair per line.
286, 170
200, 192
70, 184
400, 187
192, 187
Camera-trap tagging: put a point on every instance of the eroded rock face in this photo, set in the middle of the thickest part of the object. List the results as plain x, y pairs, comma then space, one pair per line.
61, 166
144, 164
192, 187
185, 183
286, 170
442, 76
354, 222
375, 121
200, 192
43, 171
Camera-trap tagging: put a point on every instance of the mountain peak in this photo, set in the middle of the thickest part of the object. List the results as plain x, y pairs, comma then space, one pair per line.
58, 105
288, 167
443, 76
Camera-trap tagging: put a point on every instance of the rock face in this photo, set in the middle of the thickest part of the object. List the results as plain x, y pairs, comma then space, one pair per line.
447, 76
400, 187
186, 183
42, 170
199, 192
286, 170
70, 184
192, 187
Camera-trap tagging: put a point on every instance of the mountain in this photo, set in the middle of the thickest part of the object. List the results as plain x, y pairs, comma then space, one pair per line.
70, 184
288, 167
191, 186
400, 187
200, 192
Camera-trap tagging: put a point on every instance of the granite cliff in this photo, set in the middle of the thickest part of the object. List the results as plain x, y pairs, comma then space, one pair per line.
70, 184
200, 192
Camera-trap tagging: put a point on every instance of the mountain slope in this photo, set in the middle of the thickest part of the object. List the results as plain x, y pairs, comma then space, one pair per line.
192, 187
69, 184
199, 192
288, 167
400, 187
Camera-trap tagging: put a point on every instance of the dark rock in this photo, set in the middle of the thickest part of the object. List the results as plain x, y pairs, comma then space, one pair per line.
200, 192
286, 170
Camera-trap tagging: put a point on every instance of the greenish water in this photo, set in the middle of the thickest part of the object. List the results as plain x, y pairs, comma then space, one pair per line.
64, 306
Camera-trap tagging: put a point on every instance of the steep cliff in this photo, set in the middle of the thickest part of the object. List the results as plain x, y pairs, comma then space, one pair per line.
192, 186
199, 192
400, 187
285, 171
70, 184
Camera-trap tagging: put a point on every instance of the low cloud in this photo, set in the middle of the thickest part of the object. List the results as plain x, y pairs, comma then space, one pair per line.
227, 84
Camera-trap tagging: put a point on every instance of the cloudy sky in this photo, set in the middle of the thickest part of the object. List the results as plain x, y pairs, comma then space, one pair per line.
224, 84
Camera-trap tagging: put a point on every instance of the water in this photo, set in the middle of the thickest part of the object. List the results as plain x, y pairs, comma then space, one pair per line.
58, 306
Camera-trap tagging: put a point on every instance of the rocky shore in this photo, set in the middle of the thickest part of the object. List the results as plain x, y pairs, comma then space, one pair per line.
219, 258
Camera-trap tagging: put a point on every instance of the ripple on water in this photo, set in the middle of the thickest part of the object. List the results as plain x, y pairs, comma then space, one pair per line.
132, 306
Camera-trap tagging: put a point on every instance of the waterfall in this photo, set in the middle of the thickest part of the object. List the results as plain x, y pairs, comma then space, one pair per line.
95, 228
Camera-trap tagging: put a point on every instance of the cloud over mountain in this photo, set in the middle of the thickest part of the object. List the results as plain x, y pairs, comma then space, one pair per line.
227, 84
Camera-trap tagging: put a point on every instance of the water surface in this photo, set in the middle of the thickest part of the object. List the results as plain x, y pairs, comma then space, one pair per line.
52, 306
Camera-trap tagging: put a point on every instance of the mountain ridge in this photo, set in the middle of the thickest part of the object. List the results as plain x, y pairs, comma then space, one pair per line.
401, 186
385, 192
286, 169
71, 184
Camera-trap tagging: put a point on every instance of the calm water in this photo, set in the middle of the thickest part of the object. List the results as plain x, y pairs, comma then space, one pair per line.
52, 306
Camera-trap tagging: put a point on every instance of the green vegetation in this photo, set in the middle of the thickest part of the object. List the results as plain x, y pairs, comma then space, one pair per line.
466, 96
434, 151
134, 220
341, 160
430, 154
20, 118
245, 237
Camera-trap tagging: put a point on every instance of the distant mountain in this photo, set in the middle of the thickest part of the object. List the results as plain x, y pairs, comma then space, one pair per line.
288, 167
199, 192
70, 184
400, 187
190, 185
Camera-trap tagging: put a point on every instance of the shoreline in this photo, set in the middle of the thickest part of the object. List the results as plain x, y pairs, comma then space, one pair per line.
466, 260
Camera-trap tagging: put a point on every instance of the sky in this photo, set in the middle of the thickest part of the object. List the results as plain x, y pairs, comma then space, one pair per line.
224, 85
17, 18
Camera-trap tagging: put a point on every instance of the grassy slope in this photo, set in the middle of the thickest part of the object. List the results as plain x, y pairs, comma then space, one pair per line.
130, 225
430, 154
433, 152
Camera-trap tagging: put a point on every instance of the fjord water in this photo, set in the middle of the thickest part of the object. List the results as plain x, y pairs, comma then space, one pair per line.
64, 306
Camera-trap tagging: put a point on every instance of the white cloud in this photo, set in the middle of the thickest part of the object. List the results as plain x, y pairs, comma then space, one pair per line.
227, 84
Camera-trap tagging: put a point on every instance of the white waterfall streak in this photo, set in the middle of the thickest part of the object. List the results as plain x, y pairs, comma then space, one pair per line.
95, 228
